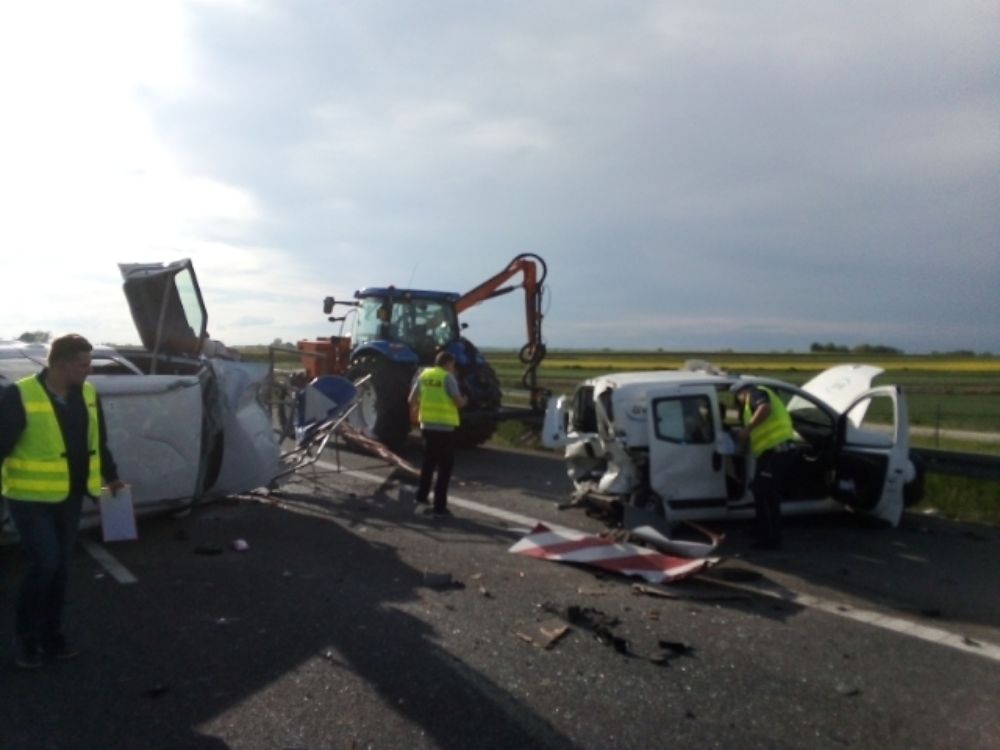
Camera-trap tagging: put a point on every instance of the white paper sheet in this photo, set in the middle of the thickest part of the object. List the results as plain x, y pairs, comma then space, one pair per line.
118, 515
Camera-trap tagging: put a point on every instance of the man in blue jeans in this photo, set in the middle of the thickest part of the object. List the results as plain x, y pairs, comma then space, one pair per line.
54, 451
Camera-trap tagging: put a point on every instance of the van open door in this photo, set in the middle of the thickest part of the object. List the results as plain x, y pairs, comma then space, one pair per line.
686, 444
555, 426
872, 458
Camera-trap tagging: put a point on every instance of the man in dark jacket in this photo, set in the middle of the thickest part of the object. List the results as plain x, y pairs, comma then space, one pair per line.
53, 450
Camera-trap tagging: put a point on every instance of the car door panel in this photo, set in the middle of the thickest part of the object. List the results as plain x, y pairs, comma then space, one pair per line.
872, 454
685, 436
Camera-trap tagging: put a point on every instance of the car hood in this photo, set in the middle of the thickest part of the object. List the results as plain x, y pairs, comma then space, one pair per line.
840, 386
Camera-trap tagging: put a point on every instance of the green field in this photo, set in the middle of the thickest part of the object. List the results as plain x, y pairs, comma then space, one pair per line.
941, 391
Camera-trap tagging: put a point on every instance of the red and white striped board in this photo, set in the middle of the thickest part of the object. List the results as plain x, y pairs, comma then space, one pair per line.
571, 546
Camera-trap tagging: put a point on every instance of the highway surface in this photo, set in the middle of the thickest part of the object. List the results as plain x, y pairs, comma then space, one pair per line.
352, 622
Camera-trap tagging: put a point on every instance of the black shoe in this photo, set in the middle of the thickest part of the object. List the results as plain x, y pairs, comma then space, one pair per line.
27, 655
60, 648
441, 513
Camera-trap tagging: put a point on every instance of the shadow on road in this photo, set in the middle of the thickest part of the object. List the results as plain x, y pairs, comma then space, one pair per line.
283, 646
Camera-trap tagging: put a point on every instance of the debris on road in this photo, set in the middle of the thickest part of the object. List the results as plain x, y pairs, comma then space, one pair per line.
552, 632
640, 589
848, 691
647, 526
567, 545
240, 545
441, 581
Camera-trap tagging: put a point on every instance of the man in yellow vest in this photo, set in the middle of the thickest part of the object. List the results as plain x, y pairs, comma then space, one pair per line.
53, 452
768, 428
436, 397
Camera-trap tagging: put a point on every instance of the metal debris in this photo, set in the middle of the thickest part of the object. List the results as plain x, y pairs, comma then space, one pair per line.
552, 633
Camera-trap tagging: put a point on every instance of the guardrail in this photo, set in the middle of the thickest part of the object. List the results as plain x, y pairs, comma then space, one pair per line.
972, 465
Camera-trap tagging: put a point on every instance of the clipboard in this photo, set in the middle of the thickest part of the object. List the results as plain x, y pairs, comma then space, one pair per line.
118, 515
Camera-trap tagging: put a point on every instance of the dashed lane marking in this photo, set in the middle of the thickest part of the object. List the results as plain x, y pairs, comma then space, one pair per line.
107, 561
868, 617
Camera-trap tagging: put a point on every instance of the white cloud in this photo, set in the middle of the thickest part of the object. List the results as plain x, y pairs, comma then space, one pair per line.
301, 150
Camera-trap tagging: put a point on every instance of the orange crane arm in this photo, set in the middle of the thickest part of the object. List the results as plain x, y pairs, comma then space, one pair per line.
534, 270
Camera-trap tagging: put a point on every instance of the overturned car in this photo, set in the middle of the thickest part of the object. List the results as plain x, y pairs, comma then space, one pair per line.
660, 440
185, 419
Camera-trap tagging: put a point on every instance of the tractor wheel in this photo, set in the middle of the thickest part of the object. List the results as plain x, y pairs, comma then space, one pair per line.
483, 389
382, 412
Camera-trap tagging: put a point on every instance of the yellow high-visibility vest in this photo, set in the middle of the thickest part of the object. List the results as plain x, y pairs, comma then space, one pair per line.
37, 469
436, 406
774, 430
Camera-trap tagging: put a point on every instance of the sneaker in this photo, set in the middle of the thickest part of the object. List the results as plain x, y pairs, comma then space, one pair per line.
60, 648
441, 513
27, 655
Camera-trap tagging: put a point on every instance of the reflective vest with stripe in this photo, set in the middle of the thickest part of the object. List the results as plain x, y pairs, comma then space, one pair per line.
37, 469
774, 430
436, 406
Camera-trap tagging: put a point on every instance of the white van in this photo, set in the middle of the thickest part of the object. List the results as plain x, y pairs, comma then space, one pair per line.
661, 440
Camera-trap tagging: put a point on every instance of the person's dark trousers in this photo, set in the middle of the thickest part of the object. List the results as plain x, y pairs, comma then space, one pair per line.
48, 535
768, 488
439, 455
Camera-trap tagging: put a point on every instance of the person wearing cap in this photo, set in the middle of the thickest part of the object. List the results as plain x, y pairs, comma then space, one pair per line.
767, 427
54, 452
436, 398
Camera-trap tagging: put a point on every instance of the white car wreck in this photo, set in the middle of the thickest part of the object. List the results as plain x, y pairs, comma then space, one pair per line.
185, 420
660, 440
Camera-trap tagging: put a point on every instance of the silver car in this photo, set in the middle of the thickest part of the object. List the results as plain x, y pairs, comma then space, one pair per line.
186, 420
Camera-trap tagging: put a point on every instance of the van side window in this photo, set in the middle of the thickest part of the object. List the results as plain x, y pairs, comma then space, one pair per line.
686, 419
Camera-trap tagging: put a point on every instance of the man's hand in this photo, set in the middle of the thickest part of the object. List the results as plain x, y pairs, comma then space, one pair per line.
741, 437
115, 486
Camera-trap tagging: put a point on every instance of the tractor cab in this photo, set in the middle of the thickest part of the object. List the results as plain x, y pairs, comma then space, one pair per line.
424, 322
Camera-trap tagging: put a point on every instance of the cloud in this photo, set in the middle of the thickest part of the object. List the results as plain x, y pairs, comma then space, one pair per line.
751, 175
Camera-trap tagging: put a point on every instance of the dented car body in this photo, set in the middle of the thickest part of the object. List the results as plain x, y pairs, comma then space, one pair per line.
185, 419
661, 440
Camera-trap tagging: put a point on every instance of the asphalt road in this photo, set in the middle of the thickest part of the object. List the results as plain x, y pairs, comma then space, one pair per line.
332, 630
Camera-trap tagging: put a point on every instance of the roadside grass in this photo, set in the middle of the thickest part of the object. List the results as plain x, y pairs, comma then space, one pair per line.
947, 392
962, 499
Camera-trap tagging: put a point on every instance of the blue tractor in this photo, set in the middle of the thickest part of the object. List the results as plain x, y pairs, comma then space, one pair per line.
395, 332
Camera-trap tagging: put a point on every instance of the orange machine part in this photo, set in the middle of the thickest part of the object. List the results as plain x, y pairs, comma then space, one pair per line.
327, 356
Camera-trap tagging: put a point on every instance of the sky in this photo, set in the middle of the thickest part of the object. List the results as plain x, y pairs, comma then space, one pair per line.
697, 175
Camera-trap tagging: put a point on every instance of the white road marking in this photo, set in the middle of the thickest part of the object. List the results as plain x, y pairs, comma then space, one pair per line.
868, 617
107, 561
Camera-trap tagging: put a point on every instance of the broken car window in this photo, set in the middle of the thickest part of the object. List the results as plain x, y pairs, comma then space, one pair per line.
684, 420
